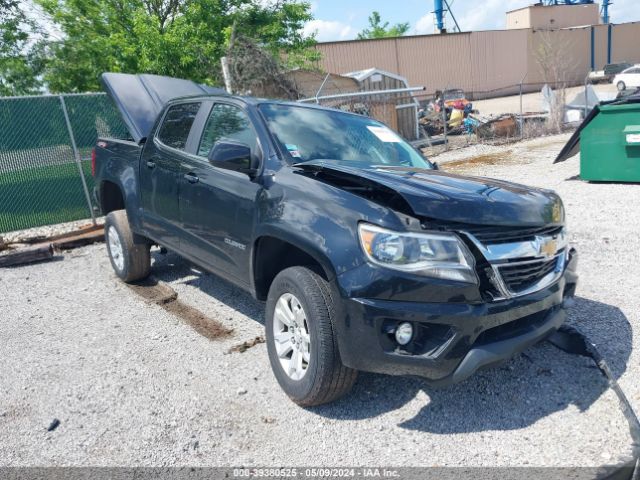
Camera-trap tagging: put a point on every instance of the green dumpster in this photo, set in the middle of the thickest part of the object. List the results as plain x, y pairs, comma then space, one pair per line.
609, 142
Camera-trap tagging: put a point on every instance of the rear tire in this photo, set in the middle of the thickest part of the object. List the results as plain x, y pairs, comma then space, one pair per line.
131, 261
621, 86
301, 340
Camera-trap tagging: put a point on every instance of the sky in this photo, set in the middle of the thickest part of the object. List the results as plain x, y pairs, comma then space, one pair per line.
343, 19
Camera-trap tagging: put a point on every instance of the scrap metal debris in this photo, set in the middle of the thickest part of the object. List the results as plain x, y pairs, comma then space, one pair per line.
244, 346
159, 293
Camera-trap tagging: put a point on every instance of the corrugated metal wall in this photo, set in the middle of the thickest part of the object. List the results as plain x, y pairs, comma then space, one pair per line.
498, 60
483, 63
445, 60
625, 43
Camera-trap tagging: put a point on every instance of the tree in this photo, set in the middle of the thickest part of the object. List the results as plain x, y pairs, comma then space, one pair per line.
555, 58
21, 51
377, 29
180, 38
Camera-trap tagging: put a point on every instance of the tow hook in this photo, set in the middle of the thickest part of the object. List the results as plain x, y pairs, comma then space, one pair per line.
573, 341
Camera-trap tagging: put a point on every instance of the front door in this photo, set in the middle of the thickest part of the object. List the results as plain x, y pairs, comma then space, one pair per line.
161, 175
218, 206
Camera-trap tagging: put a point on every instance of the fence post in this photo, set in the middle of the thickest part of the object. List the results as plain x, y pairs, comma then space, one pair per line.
321, 87
76, 154
586, 102
521, 122
444, 119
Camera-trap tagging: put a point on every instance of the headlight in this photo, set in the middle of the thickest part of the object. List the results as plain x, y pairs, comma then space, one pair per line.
438, 255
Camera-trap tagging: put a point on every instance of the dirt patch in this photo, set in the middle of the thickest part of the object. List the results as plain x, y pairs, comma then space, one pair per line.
499, 158
244, 346
166, 297
154, 292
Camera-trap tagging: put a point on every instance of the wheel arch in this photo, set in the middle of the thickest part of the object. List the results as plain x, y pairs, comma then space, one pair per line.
274, 252
111, 197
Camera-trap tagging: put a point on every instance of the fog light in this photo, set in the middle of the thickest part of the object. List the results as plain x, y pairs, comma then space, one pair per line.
404, 332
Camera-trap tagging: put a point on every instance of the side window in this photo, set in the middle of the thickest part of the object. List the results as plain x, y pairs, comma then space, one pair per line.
177, 124
227, 122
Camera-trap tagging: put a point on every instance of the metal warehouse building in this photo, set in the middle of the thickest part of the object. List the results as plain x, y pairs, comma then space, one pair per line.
490, 63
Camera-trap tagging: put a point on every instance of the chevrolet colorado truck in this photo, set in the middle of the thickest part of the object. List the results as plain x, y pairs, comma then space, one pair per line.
368, 257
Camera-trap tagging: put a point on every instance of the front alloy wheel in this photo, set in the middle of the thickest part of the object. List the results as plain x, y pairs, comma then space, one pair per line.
301, 338
291, 335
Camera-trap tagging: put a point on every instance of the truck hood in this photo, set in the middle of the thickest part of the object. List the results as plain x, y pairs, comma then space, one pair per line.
448, 197
141, 98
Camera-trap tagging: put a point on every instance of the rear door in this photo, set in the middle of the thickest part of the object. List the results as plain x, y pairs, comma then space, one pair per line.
161, 175
217, 205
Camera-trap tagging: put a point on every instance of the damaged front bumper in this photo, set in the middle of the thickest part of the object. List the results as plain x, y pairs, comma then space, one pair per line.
451, 340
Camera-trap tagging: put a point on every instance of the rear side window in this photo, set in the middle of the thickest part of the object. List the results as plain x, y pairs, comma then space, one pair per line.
227, 122
177, 124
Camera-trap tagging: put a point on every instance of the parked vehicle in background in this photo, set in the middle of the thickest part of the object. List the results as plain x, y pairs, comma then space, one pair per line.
629, 78
608, 73
367, 257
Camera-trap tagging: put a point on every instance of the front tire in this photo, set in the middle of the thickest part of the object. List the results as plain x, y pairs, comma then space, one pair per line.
301, 341
621, 86
131, 261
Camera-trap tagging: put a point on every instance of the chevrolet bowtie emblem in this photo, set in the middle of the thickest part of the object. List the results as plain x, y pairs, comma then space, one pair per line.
547, 247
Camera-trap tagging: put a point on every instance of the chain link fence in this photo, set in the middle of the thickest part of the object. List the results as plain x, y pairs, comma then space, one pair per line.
45, 154
446, 118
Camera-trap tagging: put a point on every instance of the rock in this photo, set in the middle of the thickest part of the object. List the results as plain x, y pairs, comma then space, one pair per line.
53, 425
241, 391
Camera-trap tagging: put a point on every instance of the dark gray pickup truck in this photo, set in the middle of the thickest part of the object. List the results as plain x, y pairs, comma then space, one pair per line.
368, 257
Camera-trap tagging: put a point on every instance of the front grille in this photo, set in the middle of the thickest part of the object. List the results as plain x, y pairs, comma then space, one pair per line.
497, 235
511, 261
521, 276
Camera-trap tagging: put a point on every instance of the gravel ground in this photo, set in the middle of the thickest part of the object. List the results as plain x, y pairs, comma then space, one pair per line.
135, 384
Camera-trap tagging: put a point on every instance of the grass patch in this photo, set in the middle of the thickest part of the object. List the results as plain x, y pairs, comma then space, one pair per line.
43, 196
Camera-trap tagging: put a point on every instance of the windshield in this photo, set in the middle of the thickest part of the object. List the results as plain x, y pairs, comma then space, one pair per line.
307, 134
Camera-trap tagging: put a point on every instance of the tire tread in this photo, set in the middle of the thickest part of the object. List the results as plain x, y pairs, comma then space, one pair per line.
137, 255
332, 379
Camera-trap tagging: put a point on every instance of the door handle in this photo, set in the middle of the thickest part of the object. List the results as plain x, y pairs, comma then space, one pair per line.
191, 178
151, 164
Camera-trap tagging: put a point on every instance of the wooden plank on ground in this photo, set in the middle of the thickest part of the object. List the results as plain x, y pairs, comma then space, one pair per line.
36, 253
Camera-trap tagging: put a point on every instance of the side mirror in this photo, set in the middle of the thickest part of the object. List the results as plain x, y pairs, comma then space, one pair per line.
232, 156
435, 165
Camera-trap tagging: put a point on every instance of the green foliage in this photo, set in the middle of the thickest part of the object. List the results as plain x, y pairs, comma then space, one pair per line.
377, 29
181, 38
21, 51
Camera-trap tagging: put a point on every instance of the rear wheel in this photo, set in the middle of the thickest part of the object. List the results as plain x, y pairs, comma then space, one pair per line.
301, 342
621, 86
131, 261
